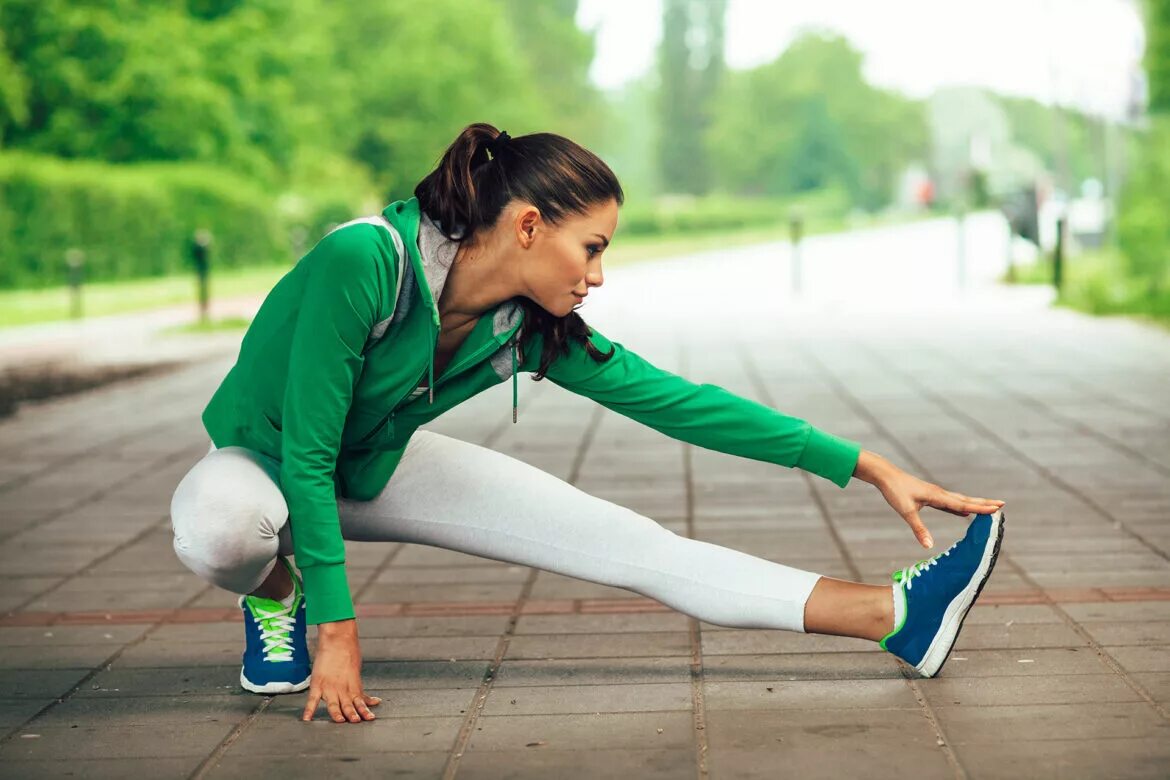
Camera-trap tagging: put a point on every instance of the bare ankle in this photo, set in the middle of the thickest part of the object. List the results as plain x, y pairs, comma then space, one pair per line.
855, 609
277, 585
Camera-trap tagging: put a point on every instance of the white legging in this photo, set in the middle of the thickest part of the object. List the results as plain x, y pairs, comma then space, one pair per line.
231, 521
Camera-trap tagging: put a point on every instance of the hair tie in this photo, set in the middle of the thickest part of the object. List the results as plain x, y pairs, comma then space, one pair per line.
497, 144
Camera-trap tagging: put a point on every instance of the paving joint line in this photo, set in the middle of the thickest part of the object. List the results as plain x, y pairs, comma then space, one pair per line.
102, 667
97, 495
1101, 393
486, 686
838, 388
991, 435
578, 606
694, 625
397, 548
63, 462
1070, 422
145, 532
217, 753
116, 441
1102, 655
165, 460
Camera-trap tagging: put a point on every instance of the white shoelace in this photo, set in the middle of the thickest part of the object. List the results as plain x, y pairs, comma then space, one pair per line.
276, 633
906, 575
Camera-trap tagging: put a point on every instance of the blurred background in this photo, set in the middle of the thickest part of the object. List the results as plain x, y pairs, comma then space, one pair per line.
162, 164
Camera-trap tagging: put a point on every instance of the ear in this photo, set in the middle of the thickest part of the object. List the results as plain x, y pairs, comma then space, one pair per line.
527, 221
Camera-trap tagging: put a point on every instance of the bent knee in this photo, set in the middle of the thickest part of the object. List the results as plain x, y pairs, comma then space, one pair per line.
226, 515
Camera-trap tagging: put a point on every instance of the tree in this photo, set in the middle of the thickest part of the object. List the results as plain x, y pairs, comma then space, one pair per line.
808, 120
690, 68
558, 54
1157, 56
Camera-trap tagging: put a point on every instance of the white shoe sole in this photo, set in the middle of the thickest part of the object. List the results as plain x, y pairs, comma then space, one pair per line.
944, 640
273, 687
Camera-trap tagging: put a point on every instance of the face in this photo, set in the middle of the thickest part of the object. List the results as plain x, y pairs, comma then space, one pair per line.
561, 262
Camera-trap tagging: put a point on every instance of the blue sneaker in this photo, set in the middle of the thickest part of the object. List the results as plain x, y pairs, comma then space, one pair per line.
276, 656
938, 591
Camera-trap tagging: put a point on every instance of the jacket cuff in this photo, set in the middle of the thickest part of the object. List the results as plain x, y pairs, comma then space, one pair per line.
327, 595
829, 456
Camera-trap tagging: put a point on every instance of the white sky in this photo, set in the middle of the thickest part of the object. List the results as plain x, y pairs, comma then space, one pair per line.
1076, 52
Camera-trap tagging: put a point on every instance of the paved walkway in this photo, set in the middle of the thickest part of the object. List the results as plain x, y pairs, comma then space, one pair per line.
115, 660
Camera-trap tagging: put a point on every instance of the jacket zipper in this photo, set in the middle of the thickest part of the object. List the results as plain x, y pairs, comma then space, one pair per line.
449, 374
393, 409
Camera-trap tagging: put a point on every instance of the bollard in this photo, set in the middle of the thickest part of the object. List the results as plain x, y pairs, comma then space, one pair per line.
75, 261
1011, 263
201, 256
1058, 255
961, 247
796, 231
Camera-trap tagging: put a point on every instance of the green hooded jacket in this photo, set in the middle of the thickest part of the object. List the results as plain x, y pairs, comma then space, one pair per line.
329, 382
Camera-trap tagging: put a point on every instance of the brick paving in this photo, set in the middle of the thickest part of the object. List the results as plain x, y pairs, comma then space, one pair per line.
114, 659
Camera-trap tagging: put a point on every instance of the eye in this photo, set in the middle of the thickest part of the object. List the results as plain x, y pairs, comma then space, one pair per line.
594, 249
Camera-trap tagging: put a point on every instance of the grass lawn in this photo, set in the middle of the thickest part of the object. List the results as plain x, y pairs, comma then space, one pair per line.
27, 307
1095, 282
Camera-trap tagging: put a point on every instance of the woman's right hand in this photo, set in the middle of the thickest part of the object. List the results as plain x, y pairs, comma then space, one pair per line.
337, 675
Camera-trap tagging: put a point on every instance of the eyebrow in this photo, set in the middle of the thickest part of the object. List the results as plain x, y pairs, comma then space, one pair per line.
603, 238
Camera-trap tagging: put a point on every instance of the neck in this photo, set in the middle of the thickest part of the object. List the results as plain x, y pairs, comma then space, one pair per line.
481, 277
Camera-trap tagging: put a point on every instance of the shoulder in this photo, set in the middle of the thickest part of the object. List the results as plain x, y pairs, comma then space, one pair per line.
369, 235
364, 246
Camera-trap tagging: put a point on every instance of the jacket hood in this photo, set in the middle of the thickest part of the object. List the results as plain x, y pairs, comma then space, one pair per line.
431, 254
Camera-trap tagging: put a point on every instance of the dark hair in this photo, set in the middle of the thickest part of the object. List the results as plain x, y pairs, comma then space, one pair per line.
468, 191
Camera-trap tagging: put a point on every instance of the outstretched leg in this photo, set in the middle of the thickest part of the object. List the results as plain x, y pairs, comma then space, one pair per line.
461, 496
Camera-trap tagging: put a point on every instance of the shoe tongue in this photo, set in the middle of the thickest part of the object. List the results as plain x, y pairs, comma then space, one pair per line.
267, 605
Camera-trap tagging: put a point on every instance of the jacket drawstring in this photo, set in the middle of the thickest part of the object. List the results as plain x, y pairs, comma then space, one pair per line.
515, 381
515, 387
431, 376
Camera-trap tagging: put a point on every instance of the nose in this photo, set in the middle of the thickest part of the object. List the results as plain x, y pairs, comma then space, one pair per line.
594, 279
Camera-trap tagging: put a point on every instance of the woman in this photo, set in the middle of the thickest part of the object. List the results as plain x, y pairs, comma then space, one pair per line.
391, 320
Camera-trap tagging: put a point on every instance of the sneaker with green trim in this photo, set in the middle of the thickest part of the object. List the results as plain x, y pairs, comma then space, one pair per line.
276, 654
937, 592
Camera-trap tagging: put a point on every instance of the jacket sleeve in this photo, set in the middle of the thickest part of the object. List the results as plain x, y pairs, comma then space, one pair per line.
702, 414
344, 277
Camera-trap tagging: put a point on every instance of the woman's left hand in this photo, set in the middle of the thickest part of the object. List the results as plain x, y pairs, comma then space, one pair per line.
907, 494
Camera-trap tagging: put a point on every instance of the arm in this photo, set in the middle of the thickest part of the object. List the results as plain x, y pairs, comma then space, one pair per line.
340, 304
344, 280
703, 414
711, 417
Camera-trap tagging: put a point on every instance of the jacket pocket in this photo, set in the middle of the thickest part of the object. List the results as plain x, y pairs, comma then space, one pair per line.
369, 431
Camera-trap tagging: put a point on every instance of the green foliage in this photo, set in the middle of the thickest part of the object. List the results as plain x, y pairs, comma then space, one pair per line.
560, 54
687, 216
284, 115
809, 120
1035, 127
1157, 56
131, 221
690, 67
125, 81
1143, 228
1100, 282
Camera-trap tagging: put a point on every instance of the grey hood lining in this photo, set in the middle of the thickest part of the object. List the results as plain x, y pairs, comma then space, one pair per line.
438, 255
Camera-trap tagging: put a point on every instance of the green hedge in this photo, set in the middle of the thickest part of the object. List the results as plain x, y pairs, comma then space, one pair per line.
682, 215
1144, 219
135, 221
131, 221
